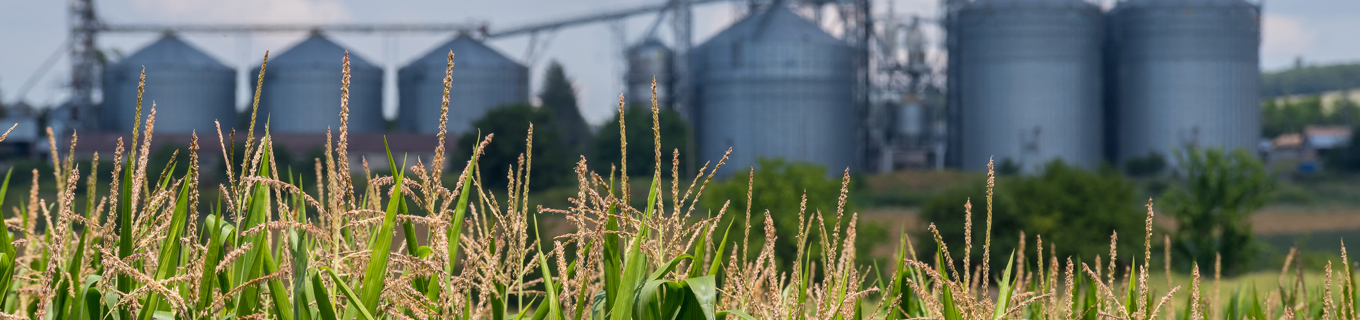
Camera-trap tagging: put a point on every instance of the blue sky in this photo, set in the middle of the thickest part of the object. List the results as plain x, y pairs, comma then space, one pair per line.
1320, 31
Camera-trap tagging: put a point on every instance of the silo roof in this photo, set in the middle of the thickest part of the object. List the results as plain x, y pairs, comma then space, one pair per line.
774, 24
1030, 4
319, 52
1185, 3
468, 52
172, 51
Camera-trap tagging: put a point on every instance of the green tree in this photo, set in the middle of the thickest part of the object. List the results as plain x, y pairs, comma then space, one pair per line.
1217, 192
559, 97
551, 163
1074, 208
778, 188
1148, 165
641, 138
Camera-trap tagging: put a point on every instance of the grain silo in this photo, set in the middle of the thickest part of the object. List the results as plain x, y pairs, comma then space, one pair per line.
483, 79
1029, 84
190, 89
649, 60
774, 85
301, 92
1188, 73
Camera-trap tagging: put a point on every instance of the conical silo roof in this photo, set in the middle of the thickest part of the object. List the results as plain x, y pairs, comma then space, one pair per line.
483, 79
170, 50
301, 90
468, 53
190, 88
776, 24
318, 52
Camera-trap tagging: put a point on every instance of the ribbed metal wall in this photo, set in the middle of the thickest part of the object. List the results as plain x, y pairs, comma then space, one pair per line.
301, 91
774, 85
190, 89
1188, 73
1029, 83
647, 60
483, 79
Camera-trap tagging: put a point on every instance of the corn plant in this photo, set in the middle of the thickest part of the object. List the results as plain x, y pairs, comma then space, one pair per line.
275, 247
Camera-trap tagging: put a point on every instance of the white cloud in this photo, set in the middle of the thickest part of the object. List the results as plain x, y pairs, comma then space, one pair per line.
247, 11
1284, 37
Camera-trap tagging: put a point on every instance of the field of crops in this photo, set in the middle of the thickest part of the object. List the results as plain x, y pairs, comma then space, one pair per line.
275, 247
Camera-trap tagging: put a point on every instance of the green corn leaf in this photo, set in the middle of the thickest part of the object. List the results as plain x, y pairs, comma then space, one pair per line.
6, 241
300, 255
668, 267
1003, 302
279, 296
380, 245
94, 309
554, 306
613, 258
657, 300
950, 309
168, 260
212, 225
325, 308
716, 264
701, 299
125, 229
738, 313
633, 266
355, 302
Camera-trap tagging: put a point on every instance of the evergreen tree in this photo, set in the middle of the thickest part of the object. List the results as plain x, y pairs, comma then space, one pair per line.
559, 97
552, 166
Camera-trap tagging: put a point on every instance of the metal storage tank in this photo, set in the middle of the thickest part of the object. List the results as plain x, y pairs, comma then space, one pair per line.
190, 89
774, 85
483, 79
1188, 74
301, 91
647, 60
1029, 86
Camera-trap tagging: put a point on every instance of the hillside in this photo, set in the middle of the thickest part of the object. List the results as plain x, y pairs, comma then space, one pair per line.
1310, 80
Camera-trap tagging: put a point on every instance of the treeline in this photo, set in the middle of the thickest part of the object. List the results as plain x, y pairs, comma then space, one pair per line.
1292, 115
1310, 80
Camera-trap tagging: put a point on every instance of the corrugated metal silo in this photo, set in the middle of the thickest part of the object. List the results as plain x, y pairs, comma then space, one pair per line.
1029, 84
483, 79
774, 85
301, 91
647, 60
1188, 74
190, 89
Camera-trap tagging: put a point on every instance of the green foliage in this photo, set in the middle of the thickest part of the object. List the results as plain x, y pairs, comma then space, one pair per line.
559, 97
1344, 159
1310, 79
1008, 167
1075, 208
1150, 165
510, 124
673, 137
1211, 203
779, 188
1292, 116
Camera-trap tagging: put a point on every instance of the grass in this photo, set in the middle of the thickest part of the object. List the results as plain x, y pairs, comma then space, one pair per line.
273, 246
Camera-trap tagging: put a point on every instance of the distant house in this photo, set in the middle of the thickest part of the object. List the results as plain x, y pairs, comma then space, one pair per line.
1327, 137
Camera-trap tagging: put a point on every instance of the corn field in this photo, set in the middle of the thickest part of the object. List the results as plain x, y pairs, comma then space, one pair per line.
274, 247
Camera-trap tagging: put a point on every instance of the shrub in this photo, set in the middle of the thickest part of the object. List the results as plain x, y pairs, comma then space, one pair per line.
1217, 192
511, 123
779, 186
1148, 165
673, 137
1065, 205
